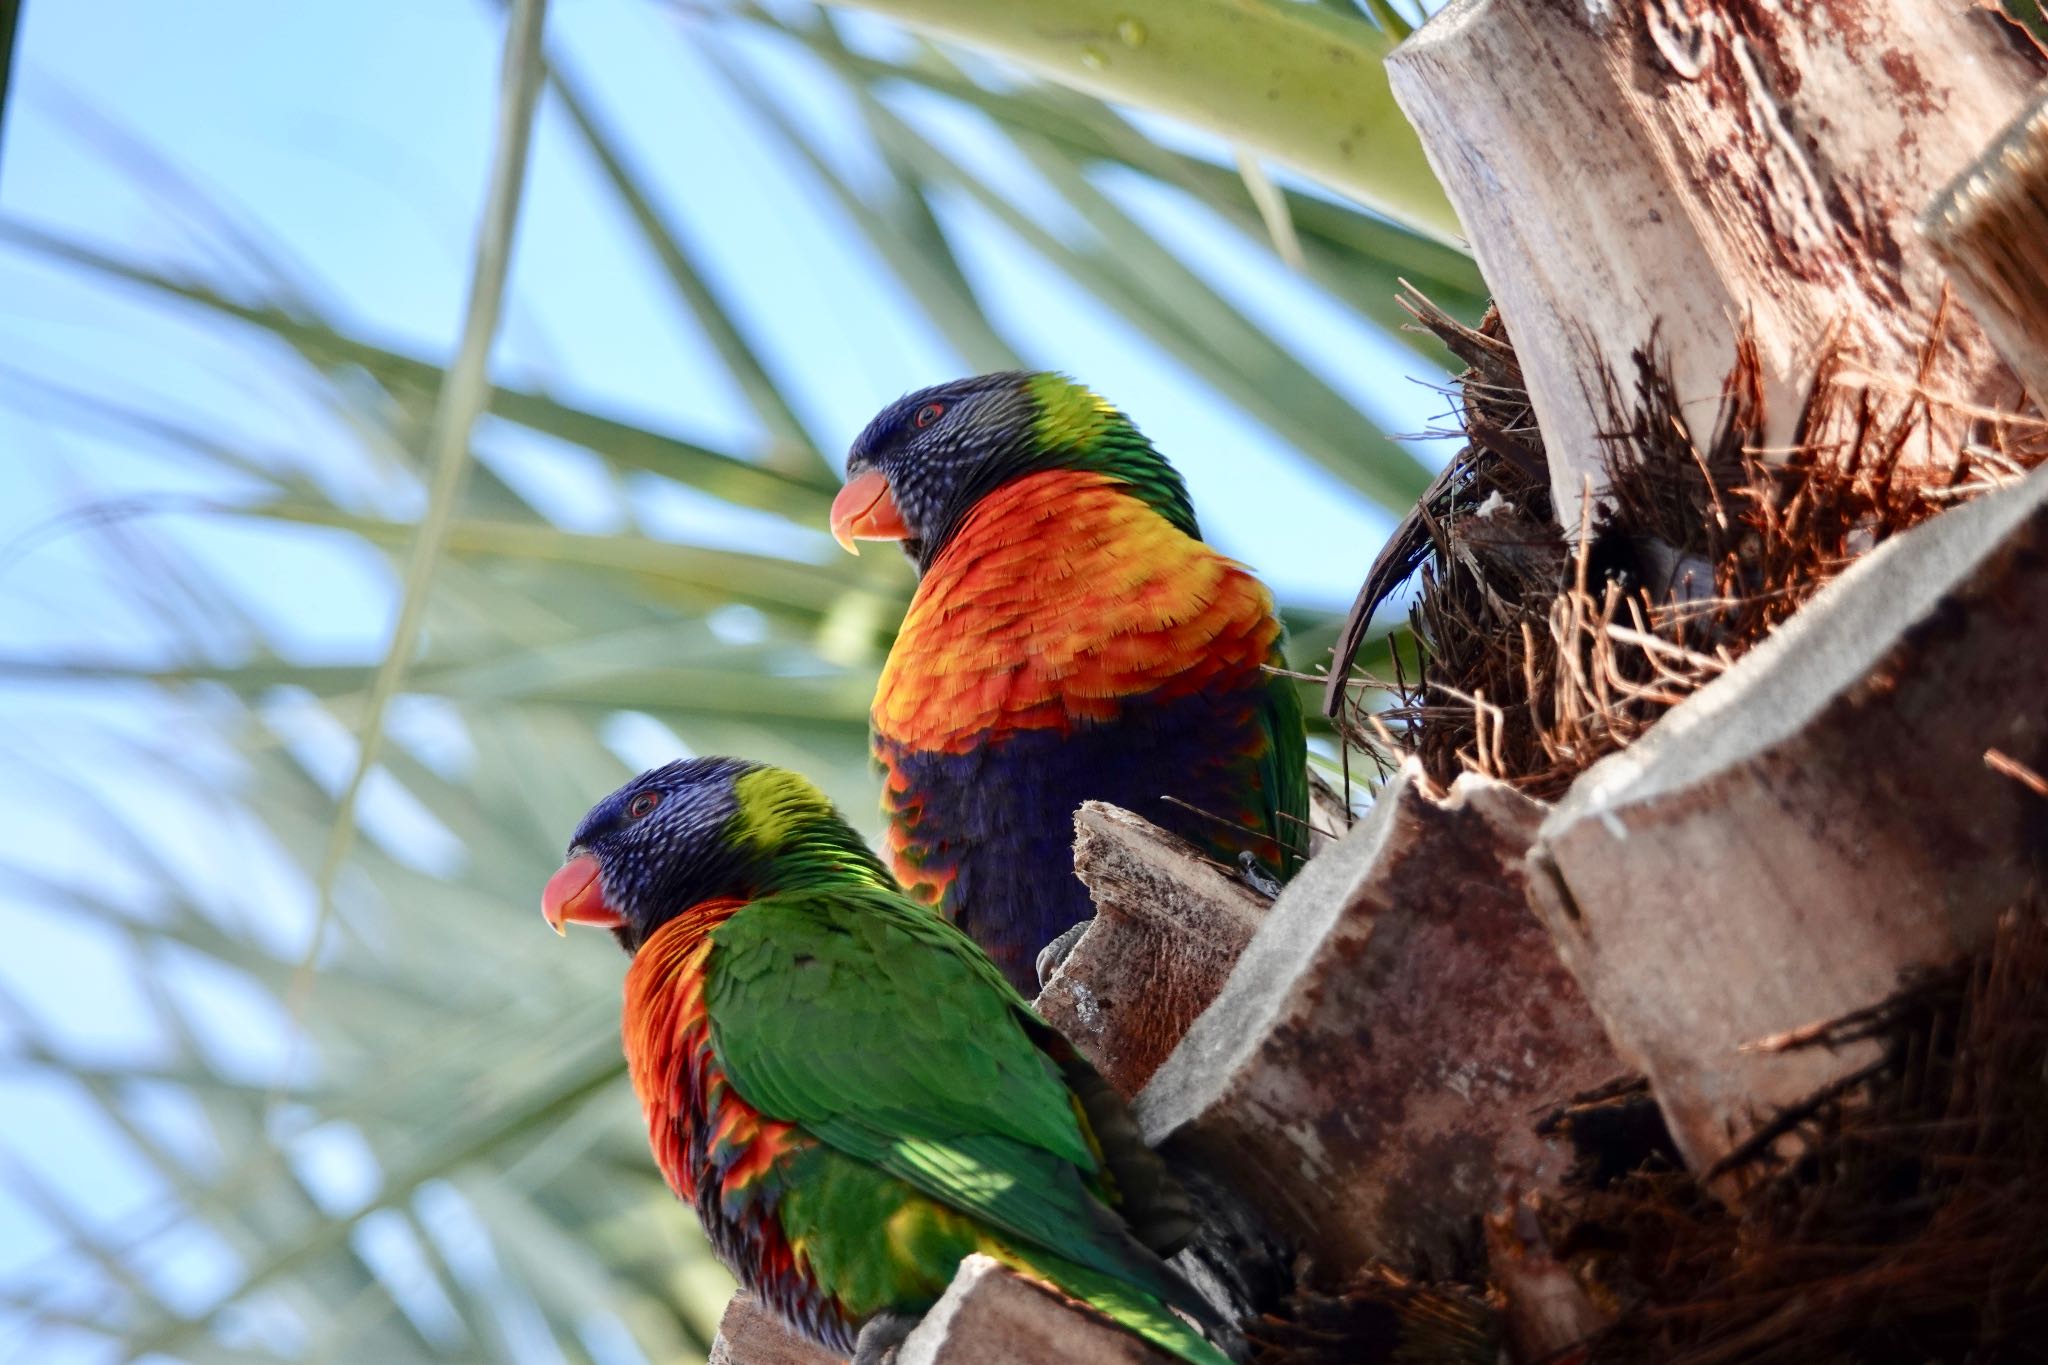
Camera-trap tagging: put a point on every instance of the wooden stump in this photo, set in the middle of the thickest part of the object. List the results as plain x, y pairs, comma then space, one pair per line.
990, 1316
1169, 925
1368, 1079
1702, 166
1823, 818
987, 1316
749, 1334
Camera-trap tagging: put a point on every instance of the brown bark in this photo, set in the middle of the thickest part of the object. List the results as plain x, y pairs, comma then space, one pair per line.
1169, 925
749, 1334
1369, 1077
1824, 818
1696, 166
990, 1316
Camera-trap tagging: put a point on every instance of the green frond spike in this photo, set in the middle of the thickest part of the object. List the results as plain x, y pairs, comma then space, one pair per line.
1290, 81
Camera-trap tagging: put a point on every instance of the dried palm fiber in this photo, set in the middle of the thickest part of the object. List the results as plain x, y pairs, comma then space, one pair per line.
1378, 1316
1538, 655
1912, 1226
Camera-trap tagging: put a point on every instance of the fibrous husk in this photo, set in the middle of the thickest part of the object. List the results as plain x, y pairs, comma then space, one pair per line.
1540, 653
1379, 1317
1912, 1225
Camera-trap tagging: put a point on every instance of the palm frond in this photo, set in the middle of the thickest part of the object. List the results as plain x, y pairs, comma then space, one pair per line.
429, 1152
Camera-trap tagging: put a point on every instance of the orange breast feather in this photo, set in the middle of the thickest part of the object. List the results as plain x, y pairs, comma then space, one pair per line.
1060, 596
698, 1126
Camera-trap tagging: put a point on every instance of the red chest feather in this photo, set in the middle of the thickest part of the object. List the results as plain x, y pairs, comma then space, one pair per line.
718, 1153
700, 1129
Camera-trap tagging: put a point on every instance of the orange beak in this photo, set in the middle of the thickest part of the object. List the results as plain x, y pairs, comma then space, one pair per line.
866, 510
575, 895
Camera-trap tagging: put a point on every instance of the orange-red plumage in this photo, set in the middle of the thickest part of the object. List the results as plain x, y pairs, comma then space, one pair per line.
1068, 643
682, 1089
837, 1081
697, 1123
1072, 639
1062, 596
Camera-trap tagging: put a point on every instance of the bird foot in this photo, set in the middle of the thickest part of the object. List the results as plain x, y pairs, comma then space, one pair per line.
880, 1336
1054, 955
1254, 874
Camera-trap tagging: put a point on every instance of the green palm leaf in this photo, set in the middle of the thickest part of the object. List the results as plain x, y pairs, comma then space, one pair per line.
422, 1148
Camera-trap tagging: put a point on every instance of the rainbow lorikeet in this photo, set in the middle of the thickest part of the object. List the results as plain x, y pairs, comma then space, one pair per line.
842, 1085
1071, 639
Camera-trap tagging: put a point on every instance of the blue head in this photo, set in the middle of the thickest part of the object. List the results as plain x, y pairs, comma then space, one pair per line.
698, 830
924, 462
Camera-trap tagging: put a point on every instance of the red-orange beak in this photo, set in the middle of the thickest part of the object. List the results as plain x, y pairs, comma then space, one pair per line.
575, 895
866, 510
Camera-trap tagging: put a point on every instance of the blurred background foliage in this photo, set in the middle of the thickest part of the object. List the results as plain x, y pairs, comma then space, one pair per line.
276, 1092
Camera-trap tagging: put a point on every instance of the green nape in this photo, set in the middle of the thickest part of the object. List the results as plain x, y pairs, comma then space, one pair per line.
784, 817
834, 1207
1092, 434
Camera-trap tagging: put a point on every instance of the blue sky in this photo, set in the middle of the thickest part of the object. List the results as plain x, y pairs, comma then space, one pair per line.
349, 138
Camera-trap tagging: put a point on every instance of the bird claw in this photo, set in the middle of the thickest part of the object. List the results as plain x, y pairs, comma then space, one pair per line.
1054, 955
880, 1336
1254, 874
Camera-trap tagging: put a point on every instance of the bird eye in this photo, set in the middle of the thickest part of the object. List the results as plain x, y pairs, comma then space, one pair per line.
928, 414
642, 805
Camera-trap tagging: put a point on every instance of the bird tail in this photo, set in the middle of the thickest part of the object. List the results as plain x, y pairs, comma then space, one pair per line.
1124, 1304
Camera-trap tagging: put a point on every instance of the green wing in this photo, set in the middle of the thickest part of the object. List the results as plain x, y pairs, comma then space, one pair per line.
884, 1032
